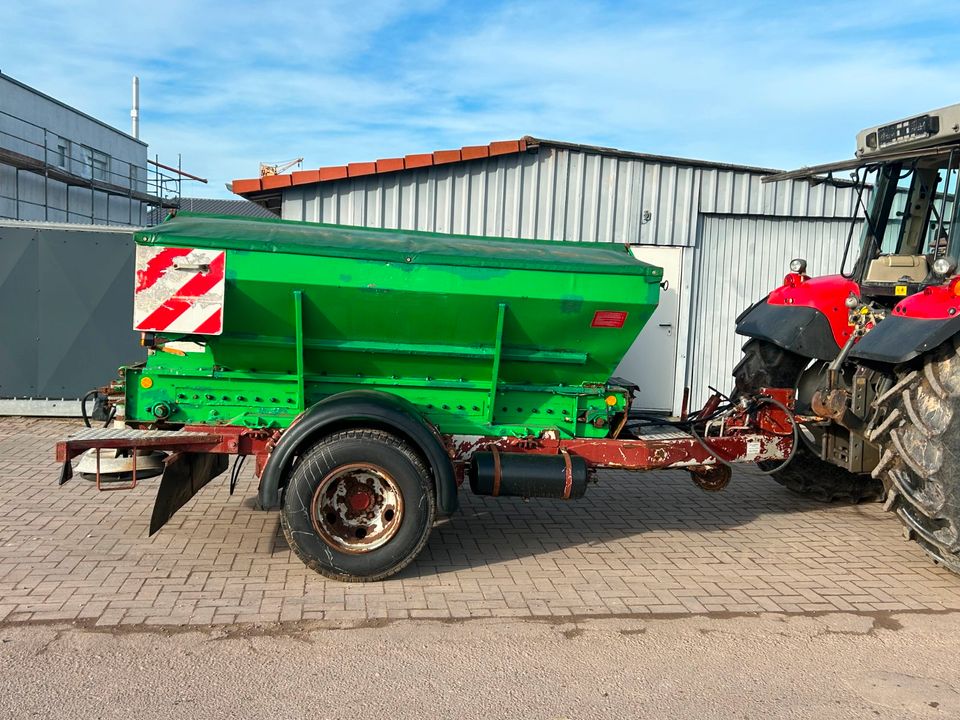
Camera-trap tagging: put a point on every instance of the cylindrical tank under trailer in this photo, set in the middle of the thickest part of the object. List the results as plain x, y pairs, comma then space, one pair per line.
372, 372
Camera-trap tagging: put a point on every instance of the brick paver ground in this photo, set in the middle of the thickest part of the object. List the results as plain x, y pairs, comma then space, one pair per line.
637, 544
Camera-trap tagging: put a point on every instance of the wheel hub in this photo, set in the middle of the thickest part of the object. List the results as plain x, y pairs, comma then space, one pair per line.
357, 508
360, 501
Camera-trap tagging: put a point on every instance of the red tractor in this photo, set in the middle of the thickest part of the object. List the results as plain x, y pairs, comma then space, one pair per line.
874, 351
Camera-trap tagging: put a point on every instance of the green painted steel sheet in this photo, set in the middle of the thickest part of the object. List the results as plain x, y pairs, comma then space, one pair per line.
489, 336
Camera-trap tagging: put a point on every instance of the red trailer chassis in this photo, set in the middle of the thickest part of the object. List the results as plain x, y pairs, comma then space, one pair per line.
749, 433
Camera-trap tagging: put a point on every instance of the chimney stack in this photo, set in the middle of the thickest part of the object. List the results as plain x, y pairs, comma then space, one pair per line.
135, 110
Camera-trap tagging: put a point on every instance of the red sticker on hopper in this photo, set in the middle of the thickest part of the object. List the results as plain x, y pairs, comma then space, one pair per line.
608, 319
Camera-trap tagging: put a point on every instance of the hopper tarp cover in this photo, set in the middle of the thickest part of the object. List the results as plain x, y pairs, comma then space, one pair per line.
402, 246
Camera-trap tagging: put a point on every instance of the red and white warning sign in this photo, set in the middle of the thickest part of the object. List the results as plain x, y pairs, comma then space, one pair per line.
179, 290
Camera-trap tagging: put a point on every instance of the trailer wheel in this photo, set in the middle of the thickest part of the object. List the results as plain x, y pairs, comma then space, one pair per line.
920, 460
765, 365
359, 506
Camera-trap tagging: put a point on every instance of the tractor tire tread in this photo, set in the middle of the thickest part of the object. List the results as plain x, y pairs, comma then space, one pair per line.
921, 478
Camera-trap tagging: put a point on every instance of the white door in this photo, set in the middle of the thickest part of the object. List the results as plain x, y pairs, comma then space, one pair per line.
651, 362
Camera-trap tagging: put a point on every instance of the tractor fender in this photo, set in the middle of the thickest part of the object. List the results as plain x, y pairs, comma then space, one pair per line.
805, 315
801, 330
899, 339
359, 408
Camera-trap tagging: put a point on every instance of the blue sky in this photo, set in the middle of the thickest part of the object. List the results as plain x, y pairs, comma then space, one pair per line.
231, 84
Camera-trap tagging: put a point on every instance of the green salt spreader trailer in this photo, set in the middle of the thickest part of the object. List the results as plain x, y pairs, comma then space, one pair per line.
372, 372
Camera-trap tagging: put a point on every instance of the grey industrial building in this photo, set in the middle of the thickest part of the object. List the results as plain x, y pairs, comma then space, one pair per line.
58, 164
723, 237
72, 190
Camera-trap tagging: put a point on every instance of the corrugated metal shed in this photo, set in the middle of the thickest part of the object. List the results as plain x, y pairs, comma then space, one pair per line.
737, 233
561, 193
741, 259
553, 194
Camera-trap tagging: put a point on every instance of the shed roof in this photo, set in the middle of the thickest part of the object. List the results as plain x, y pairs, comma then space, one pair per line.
267, 190
408, 162
213, 206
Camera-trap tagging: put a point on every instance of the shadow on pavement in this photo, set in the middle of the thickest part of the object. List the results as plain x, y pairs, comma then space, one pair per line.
621, 508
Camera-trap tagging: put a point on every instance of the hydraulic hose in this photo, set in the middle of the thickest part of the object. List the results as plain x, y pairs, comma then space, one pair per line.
681, 424
83, 407
795, 426
235, 472
83, 410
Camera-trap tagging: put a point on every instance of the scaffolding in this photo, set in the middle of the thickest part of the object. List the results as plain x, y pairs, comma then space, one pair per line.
31, 148
167, 183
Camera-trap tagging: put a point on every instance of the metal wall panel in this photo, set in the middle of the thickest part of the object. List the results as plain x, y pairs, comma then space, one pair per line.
742, 193
19, 270
739, 260
52, 119
561, 193
67, 297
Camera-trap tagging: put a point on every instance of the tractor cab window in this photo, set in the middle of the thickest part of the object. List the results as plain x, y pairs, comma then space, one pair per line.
942, 238
890, 226
910, 222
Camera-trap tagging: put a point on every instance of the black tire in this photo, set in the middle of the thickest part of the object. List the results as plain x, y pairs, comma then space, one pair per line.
317, 519
765, 365
920, 459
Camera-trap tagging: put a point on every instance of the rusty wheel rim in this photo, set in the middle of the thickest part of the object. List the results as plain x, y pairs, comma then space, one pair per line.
357, 508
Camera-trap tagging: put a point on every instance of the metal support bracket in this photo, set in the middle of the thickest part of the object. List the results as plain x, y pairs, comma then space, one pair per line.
298, 321
126, 486
497, 353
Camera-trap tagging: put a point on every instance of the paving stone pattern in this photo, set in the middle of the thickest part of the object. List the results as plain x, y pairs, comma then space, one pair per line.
638, 544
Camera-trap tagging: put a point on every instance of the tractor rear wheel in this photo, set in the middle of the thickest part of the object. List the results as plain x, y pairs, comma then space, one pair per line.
766, 365
920, 461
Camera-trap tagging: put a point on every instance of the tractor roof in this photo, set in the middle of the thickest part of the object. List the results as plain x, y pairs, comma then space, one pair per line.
933, 134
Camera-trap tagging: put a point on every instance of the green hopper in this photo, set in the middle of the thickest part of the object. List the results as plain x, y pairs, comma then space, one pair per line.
483, 335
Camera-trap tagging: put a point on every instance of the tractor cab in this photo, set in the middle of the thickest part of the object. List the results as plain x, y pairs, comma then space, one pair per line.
910, 236
907, 172
906, 175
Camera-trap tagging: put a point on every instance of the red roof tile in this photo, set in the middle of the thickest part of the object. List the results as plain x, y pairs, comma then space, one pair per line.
271, 182
472, 152
415, 161
304, 177
333, 172
362, 168
504, 147
245, 186
441, 157
408, 162
389, 165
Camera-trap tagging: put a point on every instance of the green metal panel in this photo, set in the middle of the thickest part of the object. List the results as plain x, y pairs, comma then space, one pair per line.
489, 337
